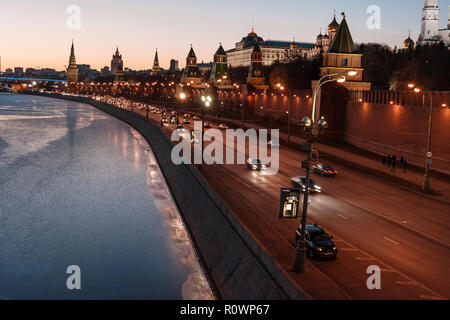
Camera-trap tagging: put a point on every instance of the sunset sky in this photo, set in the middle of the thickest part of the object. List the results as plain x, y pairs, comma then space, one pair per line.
35, 32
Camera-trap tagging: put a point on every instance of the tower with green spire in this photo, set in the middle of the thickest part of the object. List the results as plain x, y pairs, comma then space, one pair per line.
219, 71
343, 57
156, 70
191, 74
72, 69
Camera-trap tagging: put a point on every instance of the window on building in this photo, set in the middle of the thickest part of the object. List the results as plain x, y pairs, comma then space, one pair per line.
344, 62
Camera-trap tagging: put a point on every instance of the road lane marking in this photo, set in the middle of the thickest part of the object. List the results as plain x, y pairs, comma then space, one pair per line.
392, 241
364, 259
405, 222
405, 283
344, 217
348, 249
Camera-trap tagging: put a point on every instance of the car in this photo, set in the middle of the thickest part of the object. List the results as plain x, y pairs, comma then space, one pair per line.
196, 118
223, 126
196, 136
324, 170
173, 119
187, 115
318, 242
207, 125
255, 164
164, 120
300, 182
186, 121
179, 128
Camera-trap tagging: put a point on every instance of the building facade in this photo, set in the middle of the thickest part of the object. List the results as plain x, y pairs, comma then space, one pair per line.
174, 66
117, 63
219, 72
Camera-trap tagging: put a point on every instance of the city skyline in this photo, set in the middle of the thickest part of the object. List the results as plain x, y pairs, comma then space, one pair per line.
105, 25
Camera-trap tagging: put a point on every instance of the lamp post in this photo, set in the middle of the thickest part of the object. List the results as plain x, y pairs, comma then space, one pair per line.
282, 88
313, 130
429, 155
206, 103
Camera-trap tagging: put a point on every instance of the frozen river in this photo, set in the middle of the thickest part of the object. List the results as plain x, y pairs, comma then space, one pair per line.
78, 187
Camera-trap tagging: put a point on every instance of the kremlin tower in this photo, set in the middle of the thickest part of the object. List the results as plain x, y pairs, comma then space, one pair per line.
72, 69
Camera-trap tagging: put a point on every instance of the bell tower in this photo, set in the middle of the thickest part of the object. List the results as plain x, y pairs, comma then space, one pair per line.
430, 22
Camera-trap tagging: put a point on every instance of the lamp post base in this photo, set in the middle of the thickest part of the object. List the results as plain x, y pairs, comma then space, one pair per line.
300, 255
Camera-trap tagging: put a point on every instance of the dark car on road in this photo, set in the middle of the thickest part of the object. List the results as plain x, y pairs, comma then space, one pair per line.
300, 182
318, 242
324, 170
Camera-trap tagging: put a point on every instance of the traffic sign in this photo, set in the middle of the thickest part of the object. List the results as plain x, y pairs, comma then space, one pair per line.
429, 155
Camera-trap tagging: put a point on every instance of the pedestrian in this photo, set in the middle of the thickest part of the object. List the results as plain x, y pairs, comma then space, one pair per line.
394, 159
389, 161
402, 159
405, 165
384, 161
393, 164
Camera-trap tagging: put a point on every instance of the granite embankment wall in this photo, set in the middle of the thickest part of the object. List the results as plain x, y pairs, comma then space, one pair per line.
233, 259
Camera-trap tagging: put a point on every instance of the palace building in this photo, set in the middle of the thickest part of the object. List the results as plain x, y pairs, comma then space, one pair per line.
72, 69
271, 50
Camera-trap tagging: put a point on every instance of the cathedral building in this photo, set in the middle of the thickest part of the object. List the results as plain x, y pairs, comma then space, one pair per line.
72, 69
430, 32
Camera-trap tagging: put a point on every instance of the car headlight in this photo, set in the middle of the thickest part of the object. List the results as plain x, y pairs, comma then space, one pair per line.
334, 248
320, 249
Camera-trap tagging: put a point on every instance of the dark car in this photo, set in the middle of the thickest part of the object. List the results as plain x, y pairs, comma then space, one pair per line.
300, 182
318, 242
186, 121
324, 170
207, 125
255, 164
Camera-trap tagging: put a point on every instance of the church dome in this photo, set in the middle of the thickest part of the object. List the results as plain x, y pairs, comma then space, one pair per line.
408, 43
325, 37
320, 36
252, 38
334, 25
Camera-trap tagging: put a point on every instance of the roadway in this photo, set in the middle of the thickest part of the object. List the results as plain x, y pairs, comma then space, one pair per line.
374, 223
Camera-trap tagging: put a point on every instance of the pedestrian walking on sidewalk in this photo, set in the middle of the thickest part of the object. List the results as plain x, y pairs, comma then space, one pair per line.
401, 161
389, 161
393, 164
405, 165
384, 161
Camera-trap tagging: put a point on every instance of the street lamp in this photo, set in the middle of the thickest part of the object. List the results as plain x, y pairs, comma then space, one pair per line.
282, 88
206, 103
426, 179
309, 125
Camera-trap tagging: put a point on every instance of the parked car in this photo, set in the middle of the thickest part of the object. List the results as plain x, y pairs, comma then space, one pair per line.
196, 118
186, 121
223, 126
324, 170
255, 164
207, 125
300, 182
318, 242
164, 120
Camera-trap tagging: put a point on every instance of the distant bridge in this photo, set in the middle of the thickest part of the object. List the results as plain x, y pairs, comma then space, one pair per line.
31, 79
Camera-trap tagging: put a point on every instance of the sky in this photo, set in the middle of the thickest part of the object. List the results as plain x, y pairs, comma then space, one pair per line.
35, 33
